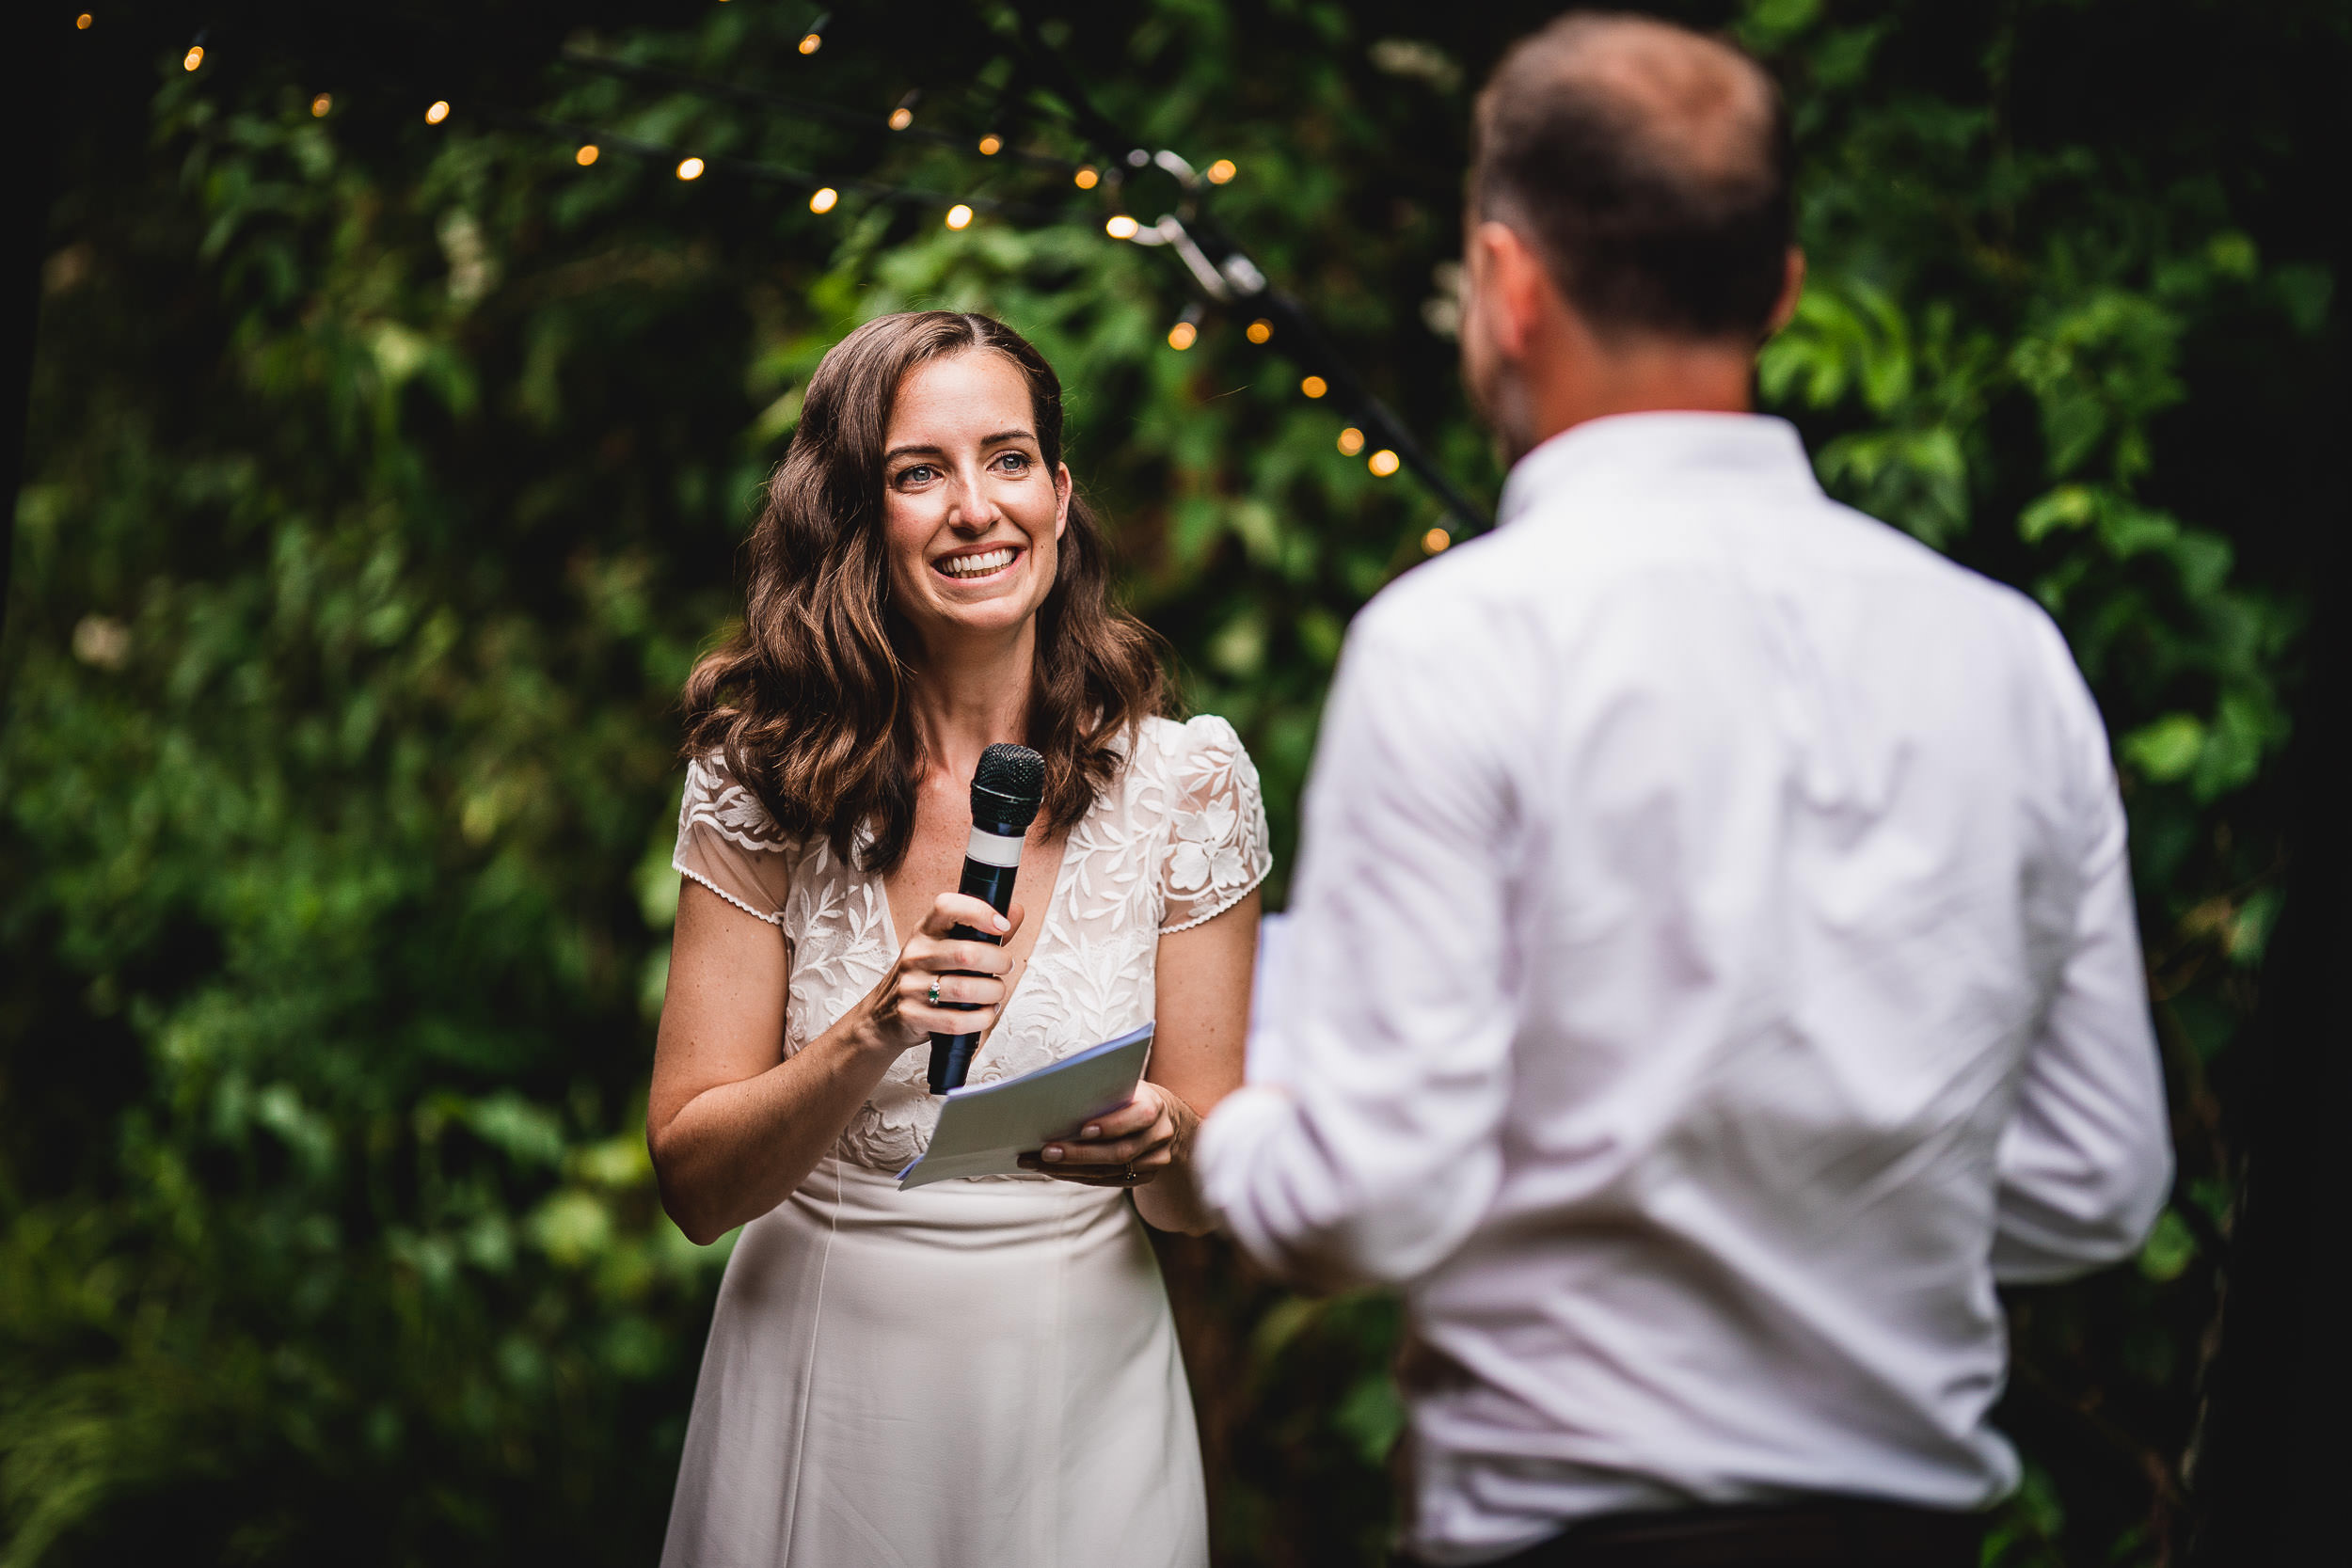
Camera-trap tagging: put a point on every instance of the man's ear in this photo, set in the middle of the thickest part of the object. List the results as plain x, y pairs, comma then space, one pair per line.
1516, 285
1791, 289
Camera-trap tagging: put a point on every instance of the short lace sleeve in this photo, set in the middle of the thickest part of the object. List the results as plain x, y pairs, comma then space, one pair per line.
727, 841
1218, 846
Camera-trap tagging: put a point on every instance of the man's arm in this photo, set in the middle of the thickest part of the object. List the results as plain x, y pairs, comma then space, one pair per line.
1378, 1153
2087, 1160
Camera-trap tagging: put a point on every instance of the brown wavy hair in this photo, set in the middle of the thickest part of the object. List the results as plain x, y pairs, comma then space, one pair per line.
808, 698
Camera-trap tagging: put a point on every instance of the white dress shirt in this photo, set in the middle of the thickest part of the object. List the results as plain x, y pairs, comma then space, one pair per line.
1713, 966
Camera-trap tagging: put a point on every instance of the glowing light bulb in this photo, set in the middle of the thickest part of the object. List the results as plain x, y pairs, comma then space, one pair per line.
438, 113
587, 154
900, 117
1183, 336
193, 57
1121, 226
322, 104
689, 168
1314, 386
824, 201
83, 22
1436, 540
959, 216
991, 145
1351, 441
1383, 463
1221, 171
1086, 179
1259, 331
811, 42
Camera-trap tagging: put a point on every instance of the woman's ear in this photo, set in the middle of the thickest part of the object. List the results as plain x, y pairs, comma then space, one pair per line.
1061, 497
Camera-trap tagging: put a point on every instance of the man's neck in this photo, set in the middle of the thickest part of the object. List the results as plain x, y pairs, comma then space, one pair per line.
1645, 375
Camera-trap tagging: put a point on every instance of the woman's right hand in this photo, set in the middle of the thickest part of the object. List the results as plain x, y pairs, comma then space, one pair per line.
900, 1009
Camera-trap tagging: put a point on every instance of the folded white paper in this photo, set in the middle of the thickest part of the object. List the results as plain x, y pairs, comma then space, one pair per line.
984, 1129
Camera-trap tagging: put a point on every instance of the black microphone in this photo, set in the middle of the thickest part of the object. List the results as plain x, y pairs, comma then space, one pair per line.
1007, 789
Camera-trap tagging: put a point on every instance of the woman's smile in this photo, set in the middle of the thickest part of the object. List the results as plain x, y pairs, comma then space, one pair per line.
978, 565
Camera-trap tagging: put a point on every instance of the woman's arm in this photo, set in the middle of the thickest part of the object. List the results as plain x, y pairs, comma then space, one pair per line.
1201, 1023
733, 1130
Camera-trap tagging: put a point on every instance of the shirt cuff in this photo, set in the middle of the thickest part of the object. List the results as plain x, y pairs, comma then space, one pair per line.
1228, 1149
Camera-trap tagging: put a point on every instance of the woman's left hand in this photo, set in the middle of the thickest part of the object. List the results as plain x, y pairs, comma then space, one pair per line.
1129, 1148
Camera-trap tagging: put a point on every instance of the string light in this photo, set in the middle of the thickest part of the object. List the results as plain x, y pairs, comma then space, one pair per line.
83, 22
1259, 331
959, 216
438, 113
587, 154
1383, 463
1221, 171
1436, 540
824, 201
193, 57
1314, 386
1086, 179
689, 168
1183, 336
1351, 441
900, 117
811, 42
1121, 226
991, 145
321, 105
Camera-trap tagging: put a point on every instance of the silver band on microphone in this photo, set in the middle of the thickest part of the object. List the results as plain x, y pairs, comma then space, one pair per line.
993, 849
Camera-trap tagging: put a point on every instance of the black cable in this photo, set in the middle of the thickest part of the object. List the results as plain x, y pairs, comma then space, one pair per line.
1290, 320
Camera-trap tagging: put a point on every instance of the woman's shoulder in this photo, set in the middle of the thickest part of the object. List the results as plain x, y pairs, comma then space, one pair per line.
718, 802
1178, 740
1194, 758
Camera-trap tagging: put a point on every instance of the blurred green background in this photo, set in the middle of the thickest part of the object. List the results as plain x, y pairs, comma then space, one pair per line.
385, 477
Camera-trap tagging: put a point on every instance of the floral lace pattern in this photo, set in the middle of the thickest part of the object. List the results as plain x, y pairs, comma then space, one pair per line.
1178, 838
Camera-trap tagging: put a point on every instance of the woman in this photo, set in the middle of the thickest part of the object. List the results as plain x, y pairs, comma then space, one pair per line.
981, 1371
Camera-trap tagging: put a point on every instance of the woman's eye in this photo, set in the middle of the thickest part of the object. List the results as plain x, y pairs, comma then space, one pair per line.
920, 473
1014, 462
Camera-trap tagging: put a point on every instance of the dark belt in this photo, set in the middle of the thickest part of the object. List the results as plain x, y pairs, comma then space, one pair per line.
1817, 1532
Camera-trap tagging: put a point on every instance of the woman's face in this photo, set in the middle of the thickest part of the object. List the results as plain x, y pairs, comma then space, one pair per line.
971, 513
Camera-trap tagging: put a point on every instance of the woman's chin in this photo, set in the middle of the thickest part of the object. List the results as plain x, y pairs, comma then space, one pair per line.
993, 610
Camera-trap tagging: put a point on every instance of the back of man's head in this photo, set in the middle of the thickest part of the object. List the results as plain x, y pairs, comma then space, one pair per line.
1649, 167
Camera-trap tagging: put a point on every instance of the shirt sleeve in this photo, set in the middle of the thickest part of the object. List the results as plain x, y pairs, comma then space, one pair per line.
1216, 848
1380, 1150
2086, 1161
728, 843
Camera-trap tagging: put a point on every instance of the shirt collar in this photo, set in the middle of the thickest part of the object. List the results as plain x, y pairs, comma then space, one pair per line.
1756, 451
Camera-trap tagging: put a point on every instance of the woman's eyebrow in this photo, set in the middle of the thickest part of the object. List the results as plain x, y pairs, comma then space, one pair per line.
896, 453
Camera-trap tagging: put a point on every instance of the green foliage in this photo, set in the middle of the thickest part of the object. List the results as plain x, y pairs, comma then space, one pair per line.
387, 477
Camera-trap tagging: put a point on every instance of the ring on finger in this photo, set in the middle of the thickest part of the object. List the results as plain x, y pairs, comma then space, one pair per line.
934, 990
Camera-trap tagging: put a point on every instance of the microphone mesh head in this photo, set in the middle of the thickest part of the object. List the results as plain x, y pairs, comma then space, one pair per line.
1009, 784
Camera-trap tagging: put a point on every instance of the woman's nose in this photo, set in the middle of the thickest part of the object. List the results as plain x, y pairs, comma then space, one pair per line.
974, 511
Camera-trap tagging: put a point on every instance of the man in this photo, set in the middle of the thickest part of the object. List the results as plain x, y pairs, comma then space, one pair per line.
1713, 964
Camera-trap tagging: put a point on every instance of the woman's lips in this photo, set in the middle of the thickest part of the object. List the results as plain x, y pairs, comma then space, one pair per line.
977, 565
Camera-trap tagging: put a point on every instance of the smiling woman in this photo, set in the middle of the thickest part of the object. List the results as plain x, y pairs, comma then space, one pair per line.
982, 1371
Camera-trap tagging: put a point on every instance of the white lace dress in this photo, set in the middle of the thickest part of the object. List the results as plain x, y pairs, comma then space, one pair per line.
982, 1372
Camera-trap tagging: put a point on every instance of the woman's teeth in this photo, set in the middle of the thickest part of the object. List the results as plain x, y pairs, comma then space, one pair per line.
977, 566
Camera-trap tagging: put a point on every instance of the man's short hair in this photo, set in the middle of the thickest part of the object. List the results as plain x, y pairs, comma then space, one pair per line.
1649, 167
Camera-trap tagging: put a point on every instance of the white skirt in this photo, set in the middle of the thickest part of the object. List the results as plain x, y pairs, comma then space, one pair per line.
973, 1374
